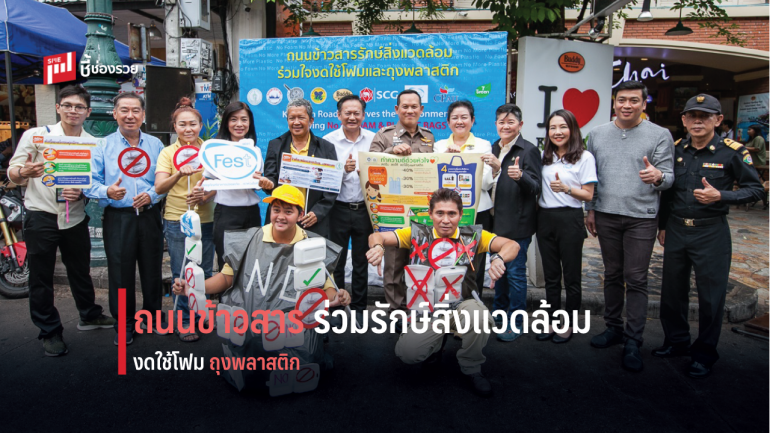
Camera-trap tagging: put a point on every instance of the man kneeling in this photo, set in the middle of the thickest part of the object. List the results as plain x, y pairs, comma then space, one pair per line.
269, 252
445, 246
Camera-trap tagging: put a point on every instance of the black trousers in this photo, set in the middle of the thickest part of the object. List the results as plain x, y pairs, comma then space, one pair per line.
483, 218
232, 218
43, 236
131, 240
560, 235
707, 250
626, 244
352, 223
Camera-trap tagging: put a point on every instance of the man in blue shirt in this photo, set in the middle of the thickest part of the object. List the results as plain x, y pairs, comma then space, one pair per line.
133, 229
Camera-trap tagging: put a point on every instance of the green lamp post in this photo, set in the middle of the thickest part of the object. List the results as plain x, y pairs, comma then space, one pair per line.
98, 56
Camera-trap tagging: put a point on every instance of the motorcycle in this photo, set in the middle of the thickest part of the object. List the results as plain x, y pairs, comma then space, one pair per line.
14, 270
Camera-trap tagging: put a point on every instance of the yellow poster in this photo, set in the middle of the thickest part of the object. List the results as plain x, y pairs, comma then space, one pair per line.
397, 189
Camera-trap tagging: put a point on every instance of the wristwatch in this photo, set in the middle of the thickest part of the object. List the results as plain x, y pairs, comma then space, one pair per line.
495, 256
662, 179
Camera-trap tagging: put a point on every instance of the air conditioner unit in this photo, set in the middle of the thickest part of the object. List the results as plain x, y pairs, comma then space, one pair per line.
195, 14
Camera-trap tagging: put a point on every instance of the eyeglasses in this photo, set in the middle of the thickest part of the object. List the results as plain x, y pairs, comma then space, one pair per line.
77, 108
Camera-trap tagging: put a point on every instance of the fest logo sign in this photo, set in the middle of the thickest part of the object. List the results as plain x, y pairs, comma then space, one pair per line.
441, 68
397, 188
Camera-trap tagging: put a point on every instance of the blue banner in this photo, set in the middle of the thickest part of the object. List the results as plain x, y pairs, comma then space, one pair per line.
443, 68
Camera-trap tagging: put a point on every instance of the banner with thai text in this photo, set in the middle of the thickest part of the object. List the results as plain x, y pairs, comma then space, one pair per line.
442, 68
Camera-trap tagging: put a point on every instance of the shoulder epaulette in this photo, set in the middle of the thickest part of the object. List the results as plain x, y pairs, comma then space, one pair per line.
732, 144
385, 128
676, 143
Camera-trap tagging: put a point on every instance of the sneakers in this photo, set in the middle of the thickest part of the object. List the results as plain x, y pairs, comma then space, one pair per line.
610, 337
129, 338
509, 335
54, 346
632, 357
481, 385
100, 322
155, 330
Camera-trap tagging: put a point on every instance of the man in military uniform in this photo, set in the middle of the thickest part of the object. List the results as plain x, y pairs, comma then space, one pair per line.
403, 138
694, 231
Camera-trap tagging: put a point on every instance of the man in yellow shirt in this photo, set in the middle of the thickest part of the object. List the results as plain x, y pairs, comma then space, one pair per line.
269, 252
446, 209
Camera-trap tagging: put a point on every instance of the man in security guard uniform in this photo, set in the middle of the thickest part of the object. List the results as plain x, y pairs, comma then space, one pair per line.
271, 248
446, 209
693, 229
404, 138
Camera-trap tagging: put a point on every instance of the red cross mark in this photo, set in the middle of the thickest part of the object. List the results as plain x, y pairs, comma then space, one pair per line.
467, 250
450, 288
418, 250
421, 288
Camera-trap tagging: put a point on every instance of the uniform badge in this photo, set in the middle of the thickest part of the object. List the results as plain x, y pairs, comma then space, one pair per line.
712, 148
679, 159
426, 140
700, 99
712, 165
747, 160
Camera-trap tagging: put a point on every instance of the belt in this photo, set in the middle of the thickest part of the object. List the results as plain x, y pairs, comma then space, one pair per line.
129, 209
698, 222
351, 206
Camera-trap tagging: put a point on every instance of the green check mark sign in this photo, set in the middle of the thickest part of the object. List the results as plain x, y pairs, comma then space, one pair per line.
307, 282
191, 248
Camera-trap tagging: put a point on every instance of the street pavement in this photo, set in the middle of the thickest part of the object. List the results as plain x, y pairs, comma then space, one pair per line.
538, 386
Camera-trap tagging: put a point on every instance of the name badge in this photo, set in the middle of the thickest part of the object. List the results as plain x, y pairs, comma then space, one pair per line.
711, 165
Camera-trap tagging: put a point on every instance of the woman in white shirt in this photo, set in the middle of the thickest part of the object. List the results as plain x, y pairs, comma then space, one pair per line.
235, 209
568, 180
460, 118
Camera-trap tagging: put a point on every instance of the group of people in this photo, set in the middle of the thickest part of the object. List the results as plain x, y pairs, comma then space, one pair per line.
617, 173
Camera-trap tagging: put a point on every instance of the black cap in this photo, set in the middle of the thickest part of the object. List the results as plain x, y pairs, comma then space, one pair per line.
703, 102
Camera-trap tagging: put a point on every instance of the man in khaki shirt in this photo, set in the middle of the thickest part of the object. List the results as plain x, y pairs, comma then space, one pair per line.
403, 138
46, 228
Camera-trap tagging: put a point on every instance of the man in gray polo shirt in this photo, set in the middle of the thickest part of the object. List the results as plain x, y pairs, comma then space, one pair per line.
634, 162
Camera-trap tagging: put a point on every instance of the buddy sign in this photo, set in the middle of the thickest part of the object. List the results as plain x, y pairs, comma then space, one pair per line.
555, 74
231, 164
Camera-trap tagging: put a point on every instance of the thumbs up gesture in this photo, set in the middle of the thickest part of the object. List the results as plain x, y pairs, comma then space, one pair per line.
650, 174
514, 171
196, 196
350, 164
708, 194
115, 191
31, 169
557, 186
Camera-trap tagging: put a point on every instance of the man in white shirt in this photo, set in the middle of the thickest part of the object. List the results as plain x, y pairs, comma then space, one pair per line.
349, 216
48, 226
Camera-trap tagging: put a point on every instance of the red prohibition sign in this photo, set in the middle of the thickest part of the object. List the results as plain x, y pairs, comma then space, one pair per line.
270, 331
190, 277
193, 302
186, 155
305, 374
434, 260
309, 312
237, 324
126, 166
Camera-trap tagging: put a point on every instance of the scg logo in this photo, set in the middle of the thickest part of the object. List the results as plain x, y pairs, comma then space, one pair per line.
386, 94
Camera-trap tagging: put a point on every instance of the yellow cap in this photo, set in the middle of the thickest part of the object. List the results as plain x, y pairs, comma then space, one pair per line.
287, 194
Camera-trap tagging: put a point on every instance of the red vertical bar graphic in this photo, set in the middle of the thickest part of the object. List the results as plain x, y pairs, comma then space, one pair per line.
122, 332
